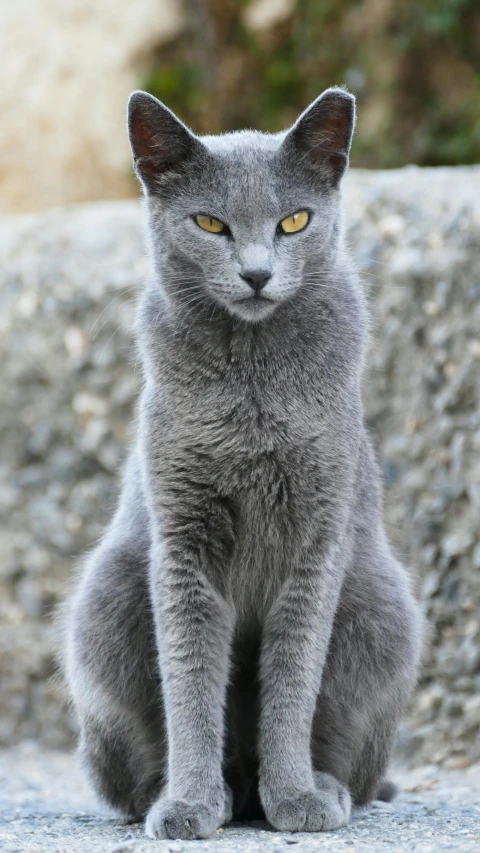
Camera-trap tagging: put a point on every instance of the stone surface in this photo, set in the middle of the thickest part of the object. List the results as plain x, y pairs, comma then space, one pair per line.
68, 282
44, 806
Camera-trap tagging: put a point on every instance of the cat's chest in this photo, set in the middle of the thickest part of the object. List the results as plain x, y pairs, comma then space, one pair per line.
254, 440
245, 402
247, 423
262, 447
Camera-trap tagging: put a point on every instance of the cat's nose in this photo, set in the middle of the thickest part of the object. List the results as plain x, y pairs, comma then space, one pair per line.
257, 279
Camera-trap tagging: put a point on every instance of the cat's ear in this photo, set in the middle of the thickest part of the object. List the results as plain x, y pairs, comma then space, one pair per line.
322, 136
159, 140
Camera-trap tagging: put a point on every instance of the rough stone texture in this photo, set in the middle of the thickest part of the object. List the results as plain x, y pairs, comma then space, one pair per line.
44, 806
415, 234
68, 284
67, 387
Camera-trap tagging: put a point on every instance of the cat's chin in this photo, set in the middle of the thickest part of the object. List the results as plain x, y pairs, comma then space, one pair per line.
252, 309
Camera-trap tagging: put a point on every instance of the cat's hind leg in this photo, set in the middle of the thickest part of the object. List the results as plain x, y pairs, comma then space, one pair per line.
121, 766
367, 680
112, 668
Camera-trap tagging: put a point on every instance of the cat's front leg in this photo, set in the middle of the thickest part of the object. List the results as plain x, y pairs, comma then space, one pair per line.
294, 647
194, 629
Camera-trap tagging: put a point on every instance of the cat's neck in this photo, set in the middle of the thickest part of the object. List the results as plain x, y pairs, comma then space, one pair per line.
207, 339
207, 326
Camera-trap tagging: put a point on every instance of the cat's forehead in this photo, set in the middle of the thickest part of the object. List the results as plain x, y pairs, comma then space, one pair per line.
244, 144
244, 167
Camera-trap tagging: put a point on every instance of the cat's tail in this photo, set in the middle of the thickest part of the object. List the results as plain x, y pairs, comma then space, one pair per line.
387, 791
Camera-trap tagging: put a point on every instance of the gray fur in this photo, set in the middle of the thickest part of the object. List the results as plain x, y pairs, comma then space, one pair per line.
243, 640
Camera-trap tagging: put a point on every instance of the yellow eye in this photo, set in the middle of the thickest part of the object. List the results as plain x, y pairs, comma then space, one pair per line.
295, 222
208, 223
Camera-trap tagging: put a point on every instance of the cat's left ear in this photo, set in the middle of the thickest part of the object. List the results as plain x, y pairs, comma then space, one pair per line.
322, 136
160, 142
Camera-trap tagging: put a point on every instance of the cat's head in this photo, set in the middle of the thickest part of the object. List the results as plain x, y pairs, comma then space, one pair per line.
241, 219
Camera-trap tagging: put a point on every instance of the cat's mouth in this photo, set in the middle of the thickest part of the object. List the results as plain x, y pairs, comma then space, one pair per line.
254, 307
255, 298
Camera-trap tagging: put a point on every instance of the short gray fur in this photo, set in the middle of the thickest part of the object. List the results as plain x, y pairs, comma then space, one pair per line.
243, 641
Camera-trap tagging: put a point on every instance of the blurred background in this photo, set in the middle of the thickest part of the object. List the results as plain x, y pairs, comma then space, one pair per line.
72, 260
69, 65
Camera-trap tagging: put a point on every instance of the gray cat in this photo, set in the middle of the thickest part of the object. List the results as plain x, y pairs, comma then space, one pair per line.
242, 641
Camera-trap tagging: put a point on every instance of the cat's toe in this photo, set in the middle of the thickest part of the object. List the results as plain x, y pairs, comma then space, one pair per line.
179, 819
338, 798
291, 815
326, 808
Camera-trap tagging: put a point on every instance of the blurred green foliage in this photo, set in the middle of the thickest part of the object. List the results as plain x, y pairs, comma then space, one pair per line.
414, 66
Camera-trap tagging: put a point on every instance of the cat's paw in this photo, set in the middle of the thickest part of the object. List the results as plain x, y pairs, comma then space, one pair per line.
325, 808
179, 819
186, 820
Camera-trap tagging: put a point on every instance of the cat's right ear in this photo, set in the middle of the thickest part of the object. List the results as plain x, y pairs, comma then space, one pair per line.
160, 142
322, 136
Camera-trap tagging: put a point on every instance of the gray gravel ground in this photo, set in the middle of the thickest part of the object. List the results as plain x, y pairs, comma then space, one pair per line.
45, 806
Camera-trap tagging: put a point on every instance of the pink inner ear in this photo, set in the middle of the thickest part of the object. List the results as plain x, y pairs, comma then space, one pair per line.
338, 127
148, 145
325, 131
159, 140
333, 127
142, 136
